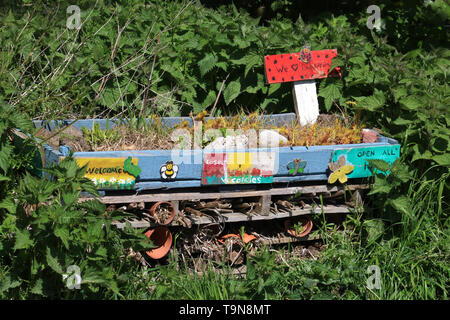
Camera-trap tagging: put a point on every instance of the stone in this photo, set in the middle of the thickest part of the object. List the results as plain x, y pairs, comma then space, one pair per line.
369, 136
271, 139
229, 143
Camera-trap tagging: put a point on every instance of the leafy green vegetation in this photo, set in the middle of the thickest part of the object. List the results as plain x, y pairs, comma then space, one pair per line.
172, 58
44, 230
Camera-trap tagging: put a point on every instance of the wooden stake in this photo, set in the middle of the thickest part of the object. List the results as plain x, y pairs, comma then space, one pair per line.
305, 101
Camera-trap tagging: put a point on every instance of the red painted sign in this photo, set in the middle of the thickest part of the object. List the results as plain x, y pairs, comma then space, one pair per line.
298, 66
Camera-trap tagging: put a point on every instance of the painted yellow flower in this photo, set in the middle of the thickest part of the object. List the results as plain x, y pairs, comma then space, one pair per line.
340, 170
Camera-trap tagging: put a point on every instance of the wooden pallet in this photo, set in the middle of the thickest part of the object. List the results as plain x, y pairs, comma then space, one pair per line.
310, 191
262, 210
241, 217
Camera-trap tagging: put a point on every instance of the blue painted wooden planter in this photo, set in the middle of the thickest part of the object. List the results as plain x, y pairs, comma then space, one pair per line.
313, 162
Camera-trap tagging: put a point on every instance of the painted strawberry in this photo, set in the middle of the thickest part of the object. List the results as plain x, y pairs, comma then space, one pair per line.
256, 172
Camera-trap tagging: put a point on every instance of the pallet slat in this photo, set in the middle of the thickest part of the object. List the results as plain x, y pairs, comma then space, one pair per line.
241, 217
196, 195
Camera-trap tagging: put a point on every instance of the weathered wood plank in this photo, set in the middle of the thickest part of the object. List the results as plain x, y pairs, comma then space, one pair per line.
286, 239
197, 195
241, 217
263, 207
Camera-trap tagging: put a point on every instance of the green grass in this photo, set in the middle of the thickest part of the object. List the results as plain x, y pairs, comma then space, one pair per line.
43, 75
412, 254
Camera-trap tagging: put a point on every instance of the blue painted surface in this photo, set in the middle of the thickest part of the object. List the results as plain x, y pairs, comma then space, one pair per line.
149, 185
358, 157
276, 119
190, 161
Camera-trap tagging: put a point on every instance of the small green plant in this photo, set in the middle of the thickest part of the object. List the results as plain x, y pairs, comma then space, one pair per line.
45, 231
299, 228
97, 136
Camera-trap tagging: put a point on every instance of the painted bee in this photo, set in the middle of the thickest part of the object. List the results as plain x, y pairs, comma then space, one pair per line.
169, 170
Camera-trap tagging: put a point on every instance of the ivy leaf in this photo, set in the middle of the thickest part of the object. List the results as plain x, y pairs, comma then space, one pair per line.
231, 91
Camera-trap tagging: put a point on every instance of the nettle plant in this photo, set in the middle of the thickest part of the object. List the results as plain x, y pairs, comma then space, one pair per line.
45, 232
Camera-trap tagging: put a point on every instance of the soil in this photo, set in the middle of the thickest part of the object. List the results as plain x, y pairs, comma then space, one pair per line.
70, 136
328, 129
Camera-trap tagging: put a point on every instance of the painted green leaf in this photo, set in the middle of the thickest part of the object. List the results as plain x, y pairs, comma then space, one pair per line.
131, 168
